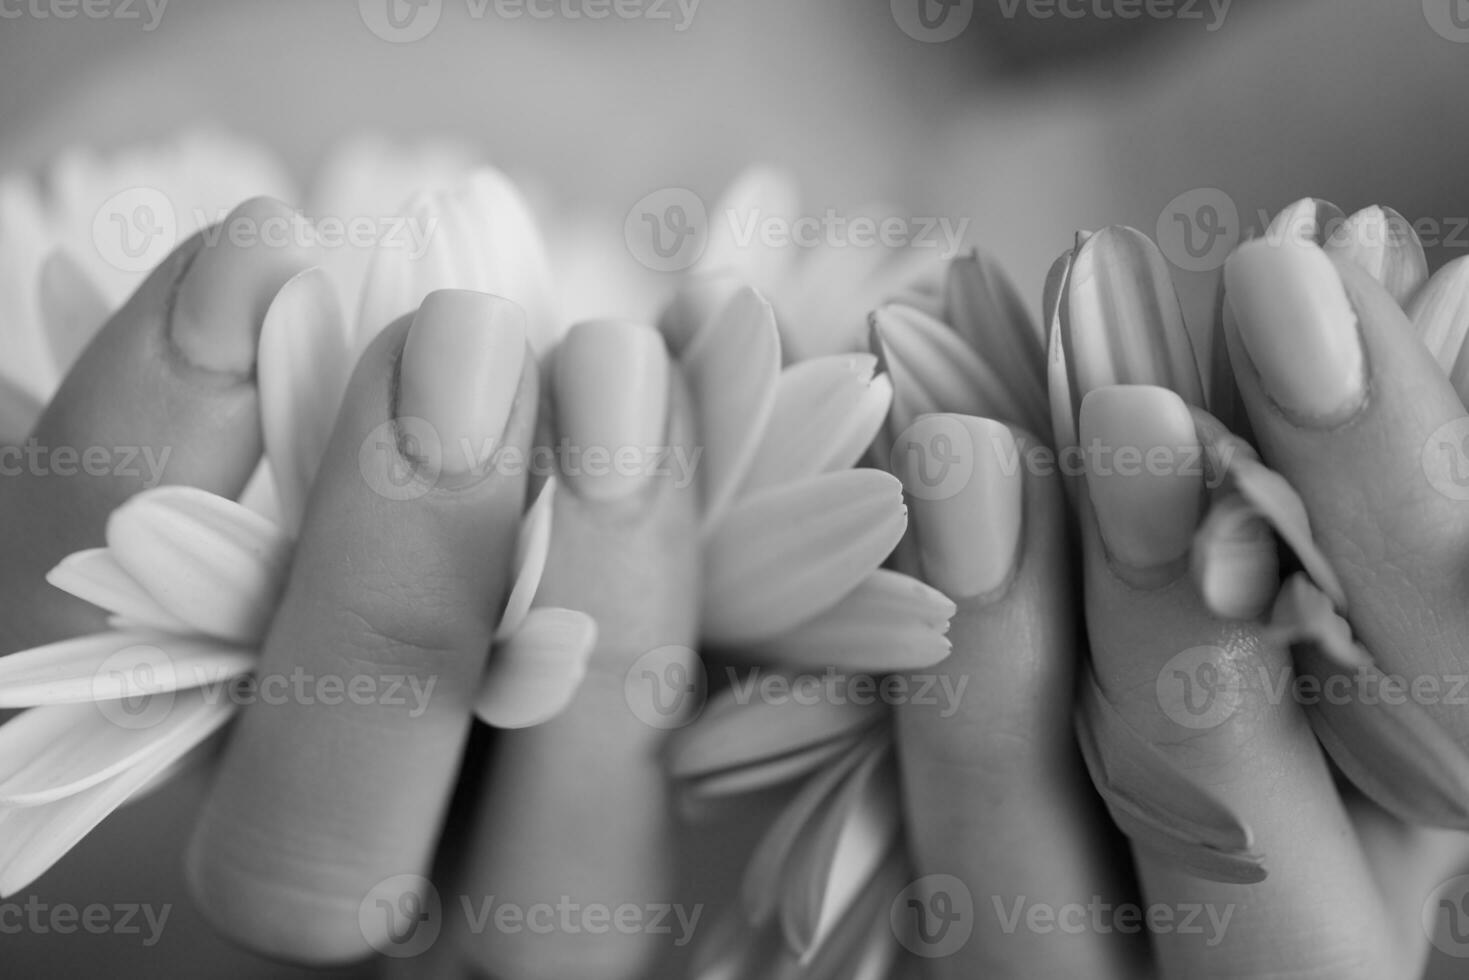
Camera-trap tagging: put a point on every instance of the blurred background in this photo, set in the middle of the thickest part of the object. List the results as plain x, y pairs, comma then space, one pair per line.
1026, 119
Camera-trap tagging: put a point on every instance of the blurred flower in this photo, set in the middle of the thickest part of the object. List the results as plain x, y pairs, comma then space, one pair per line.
192, 579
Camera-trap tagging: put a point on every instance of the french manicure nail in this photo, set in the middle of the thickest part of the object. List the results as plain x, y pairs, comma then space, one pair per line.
460, 374
1142, 472
228, 286
969, 539
1299, 329
611, 384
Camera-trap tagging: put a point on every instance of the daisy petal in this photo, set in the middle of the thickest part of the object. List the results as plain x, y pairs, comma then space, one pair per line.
760, 891
786, 555
765, 773
758, 193
739, 728
1158, 807
95, 576
862, 946
56, 751
694, 307
73, 308
303, 367
1386, 246
19, 412
826, 413
32, 839
389, 292
841, 854
1234, 560
891, 622
115, 664
733, 368
532, 547
534, 675
209, 561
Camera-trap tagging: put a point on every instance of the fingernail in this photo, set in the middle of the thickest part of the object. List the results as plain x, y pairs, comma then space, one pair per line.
969, 539
1121, 322
1299, 329
1142, 473
611, 384
1384, 244
221, 302
460, 374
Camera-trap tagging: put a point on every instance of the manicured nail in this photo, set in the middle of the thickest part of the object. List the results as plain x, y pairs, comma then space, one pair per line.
1385, 245
1121, 322
460, 374
230, 282
968, 534
1299, 329
1143, 473
611, 383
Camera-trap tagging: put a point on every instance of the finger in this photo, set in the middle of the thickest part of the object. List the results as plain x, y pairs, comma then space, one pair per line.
576, 810
1244, 750
994, 791
326, 804
164, 394
1351, 408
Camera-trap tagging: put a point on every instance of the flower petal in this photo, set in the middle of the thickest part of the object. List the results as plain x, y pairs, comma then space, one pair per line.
739, 728
1385, 244
95, 576
764, 773
532, 548
1310, 219
842, 853
983, 307
32, 839
303, 366
694, 307
116, 664
733, 369
826, 413
1440, 312
891, 622
534, 674
757, 194
1234, 560
1158, 807
52, 752
72, 308
209, 561
786, 555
